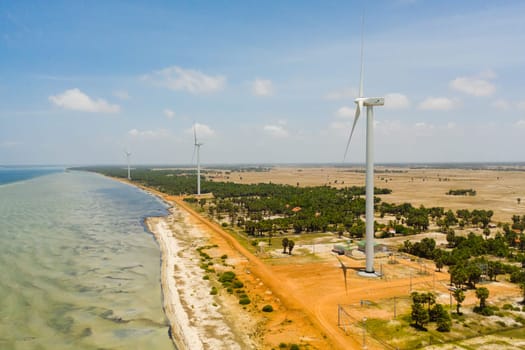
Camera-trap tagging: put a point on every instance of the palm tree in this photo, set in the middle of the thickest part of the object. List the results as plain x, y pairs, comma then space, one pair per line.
459, 296
482, 294
291, 244
285, 244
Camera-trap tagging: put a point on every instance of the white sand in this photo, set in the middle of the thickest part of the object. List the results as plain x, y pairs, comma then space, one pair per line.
194, 320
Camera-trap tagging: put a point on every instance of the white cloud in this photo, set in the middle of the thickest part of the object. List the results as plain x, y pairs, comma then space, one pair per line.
345, 112
152, 134
451, 125
344, 93
520, 123
276, 130
121, 94
192, 81
501, 104
396, 101
169, 113
202, 130
476, 85
437, 104
521, 105
9, 144
340, 125
262, 87
76, 100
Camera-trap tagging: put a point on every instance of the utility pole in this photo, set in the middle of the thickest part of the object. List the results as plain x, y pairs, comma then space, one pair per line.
395, 310
364, 332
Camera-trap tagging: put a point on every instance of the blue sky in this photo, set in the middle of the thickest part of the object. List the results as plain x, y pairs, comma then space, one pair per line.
265, 81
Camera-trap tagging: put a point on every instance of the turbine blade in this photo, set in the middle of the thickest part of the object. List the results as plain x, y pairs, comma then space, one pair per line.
193, 155
361, 77
194, 134
356, 117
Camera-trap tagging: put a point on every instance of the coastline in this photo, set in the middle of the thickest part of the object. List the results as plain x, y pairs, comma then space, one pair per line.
199, 320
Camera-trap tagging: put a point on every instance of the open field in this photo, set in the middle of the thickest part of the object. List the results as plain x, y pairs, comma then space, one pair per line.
497, 190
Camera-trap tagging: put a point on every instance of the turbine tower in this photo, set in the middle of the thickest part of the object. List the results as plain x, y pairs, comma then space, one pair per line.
128, 154
197, 148
369, 103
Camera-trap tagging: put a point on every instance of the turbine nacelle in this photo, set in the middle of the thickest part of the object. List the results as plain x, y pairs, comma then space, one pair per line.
370, 101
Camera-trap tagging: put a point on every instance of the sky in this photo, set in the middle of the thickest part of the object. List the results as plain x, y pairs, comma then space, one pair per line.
81, 82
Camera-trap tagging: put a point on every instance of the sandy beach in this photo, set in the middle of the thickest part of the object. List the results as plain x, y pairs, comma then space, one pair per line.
198, 320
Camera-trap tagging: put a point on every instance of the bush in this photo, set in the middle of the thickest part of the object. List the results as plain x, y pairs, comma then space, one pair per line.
294, 347
267, 308
237, 284
224, 224
214, 291
229, 290
507, 307
224, 257
227, 276
244, 301
205, 277
486, 311
282, 346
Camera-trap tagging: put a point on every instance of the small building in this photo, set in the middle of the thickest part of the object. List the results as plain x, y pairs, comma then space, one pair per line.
378, 247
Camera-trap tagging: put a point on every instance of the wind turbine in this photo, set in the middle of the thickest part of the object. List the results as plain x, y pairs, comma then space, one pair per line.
369, 103
128, 154
197, 149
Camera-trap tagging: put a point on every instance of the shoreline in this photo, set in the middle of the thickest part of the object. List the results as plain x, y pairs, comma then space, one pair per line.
199, 320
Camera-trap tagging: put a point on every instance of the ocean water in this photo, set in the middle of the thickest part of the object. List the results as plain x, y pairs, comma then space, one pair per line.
15, 174
77, 268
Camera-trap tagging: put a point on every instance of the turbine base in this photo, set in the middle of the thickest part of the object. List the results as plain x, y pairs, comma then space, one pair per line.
364, 273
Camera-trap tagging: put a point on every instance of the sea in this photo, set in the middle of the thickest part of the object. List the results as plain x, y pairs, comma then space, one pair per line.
78, 268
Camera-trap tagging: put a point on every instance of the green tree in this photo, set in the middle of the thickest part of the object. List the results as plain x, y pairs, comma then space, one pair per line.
459, 295
285, 244
419, 315
291, 244
439, 264
482, 294
458, 275
442, 318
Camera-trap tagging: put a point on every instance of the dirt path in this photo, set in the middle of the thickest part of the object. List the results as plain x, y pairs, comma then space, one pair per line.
280, 287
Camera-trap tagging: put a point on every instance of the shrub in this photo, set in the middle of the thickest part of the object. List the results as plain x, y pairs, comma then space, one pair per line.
224, 257
507, 307
237, 284
244, 301
205, 277
267, 308
214, 291
294, 347
224, 224
282, 346
227, 276
229, 290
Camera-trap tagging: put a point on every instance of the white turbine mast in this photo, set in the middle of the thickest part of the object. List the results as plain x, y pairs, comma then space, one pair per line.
197, 149
369, 103
128, 154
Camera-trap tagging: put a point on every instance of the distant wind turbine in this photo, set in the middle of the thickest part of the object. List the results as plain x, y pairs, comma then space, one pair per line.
128, 154
369, 103
197, 149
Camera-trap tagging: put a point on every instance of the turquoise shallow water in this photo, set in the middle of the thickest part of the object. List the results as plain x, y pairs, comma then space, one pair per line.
77, 268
